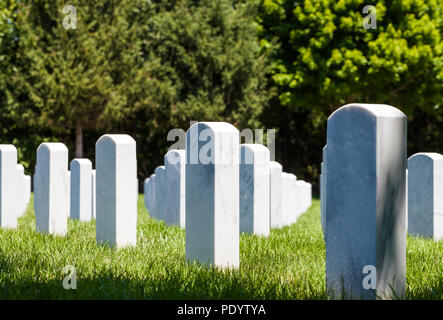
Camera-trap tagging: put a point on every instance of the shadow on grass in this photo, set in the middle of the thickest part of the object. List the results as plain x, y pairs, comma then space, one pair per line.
207, 283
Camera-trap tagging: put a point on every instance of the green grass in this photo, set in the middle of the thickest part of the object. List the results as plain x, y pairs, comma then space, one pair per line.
289, 264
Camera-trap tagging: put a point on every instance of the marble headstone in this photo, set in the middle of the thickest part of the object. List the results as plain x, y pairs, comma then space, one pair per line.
150, 192
254, 189
81, 190
116, 175
365, 202
27, 190
293, 203
406, 200
286, 198
21, 205
160, 193
9, 198
50, 194
425, 195
309, 195
300, 186
175, 197
212, 194
94, 193
323, 192
275, 194
146, 193
68, 191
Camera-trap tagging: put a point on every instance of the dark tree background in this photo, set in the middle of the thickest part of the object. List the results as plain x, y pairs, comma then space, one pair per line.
145, 67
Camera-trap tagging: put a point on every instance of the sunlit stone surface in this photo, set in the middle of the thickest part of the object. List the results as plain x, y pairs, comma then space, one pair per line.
175, 184
116, 175
254, 189
212, 194
323, 192
21, 190
94, 193
293, 210
81, 189
425, 195
50, 188
9, 198
275, 194
68, 191
365, 201
160, 193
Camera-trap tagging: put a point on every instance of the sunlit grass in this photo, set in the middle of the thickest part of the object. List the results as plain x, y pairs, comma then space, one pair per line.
289, 264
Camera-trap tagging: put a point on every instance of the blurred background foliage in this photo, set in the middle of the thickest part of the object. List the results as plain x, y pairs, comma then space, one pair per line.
144, 67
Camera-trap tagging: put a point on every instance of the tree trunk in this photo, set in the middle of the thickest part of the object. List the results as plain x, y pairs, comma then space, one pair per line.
78, 140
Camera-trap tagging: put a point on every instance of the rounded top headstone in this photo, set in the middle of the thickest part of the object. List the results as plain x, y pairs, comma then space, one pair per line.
81, 161
159, 170
275, 164
7, 148
21, 168
254, 153
116, 139
430, 155
218, 126
52, 146
377, 110
174, 156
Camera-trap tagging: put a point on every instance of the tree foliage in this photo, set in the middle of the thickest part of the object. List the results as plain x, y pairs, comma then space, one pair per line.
138, 67
323, 58
326, 58
144, 67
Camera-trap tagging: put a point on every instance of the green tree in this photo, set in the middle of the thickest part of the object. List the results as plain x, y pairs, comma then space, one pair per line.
74, 76
323, 58
137, 67
206, 62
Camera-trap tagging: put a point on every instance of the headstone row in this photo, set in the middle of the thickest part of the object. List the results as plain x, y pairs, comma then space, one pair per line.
369, 199
268, 196
424, 198
363, 195
233, 188
15, 187
425, 195
164, 191
108, 193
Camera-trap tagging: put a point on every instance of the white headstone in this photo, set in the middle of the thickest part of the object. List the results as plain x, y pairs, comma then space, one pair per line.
254, 189
406, 200
212, 194
116, 174
9, 198
309, 195
146, 193
94, 193
365, 202
27, 190
160, 193
425, 199
175, 197
285, 198
50, 194
68, 191
323, 192
150, 195
81, 189
294, 205
300, 198
275, 194
21, 193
